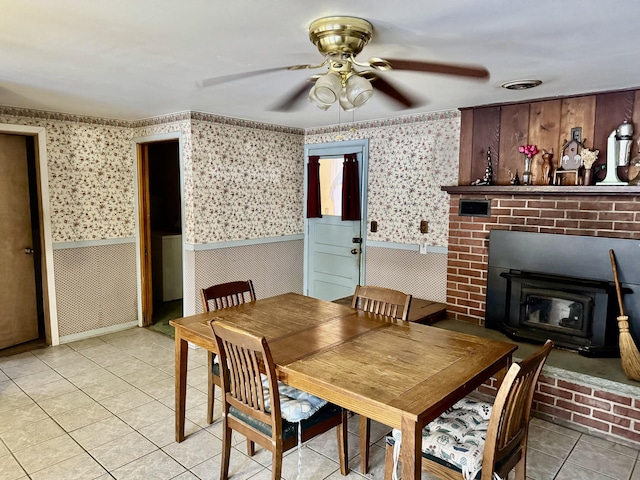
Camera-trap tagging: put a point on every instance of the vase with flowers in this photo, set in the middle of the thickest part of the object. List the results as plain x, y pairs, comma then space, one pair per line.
529, 151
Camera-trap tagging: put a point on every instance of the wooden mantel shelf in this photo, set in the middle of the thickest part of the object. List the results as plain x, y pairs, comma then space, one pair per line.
546, 190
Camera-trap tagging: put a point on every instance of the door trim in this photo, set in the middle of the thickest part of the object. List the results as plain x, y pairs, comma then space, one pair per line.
140, 266
144, 233
333, 149
46, 245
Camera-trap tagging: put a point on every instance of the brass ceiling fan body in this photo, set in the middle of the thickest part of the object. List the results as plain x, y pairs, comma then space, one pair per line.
340, 35
340, 39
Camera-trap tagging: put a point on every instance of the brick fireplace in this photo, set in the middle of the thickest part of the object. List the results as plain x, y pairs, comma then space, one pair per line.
601, 216
600, 212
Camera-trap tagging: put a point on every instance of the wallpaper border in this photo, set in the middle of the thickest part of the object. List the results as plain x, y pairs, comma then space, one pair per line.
386, 122
145, 122
93, 243
241, 243
406, 246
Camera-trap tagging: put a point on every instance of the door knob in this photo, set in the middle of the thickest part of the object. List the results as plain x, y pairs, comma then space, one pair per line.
28, 251
354, 251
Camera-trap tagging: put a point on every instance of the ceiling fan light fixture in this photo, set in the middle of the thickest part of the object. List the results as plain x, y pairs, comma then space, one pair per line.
313, 98
359, 90
345, 104
327, 88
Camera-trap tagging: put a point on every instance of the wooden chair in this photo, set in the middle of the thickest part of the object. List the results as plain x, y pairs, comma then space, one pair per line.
505, 438
384, 301
246, 411
216, 297
390, 303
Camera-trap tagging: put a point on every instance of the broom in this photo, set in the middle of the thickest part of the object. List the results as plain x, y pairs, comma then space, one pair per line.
629, 354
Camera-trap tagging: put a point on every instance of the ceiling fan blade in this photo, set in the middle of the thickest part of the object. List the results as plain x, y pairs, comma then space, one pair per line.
388, 89
431, 67
209, 82
290, 102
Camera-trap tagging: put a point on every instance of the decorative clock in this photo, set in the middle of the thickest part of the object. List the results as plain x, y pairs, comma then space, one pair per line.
570, 162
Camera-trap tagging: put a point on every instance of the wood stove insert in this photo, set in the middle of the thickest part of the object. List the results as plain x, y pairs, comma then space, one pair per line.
575, 313
537, 288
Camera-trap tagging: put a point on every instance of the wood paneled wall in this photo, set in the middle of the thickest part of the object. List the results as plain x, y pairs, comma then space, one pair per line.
545, 123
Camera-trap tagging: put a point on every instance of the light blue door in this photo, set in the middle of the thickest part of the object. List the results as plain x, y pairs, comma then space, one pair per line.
334, 249
334, 260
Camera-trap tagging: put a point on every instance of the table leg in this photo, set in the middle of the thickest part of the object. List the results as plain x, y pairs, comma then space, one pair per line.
411, 450
181, 384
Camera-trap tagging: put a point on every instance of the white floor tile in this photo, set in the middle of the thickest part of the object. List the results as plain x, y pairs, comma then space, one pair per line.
82, 416
106, 404
47, 453
31, 434
241, 467
163, 433
12, 396
44, 391
126, 401
80, 467
123, 450
101, 432
157, 466
10, 469
63, 403
27, 365
146, 414
20, 417
195, 449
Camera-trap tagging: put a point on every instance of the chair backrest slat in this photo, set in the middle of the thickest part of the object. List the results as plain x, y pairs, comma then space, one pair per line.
246, 357
382, 301
225, 295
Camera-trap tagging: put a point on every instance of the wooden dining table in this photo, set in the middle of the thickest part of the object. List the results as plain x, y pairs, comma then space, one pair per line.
401, 374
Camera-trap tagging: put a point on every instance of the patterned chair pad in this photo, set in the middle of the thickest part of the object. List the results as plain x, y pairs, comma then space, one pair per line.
456, 437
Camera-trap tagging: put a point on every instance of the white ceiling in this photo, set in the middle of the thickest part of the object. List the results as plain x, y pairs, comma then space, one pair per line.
134, 59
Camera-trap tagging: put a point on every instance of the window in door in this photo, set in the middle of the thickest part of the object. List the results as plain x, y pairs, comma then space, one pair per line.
331, 185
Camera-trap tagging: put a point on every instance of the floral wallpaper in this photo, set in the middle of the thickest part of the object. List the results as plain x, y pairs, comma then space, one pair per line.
90, 175
243, 180
247, 183
409, 160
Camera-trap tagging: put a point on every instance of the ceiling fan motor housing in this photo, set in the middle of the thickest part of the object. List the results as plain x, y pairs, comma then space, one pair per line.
340, 36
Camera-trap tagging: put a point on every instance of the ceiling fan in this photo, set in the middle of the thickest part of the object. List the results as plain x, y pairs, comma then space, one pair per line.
348, 81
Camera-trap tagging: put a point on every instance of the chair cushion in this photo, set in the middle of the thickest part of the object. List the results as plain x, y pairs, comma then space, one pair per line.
456, 437
289, 429
295, 405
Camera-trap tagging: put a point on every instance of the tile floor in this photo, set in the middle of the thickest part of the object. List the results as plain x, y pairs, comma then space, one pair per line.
103, 408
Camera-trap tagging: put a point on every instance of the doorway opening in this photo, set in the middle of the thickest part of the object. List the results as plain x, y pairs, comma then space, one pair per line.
161, 244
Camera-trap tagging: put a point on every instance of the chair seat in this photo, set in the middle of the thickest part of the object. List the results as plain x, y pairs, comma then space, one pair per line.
295, 405
289, 429
456, 438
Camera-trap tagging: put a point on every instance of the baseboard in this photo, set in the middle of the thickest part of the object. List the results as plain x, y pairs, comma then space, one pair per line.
97, 332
